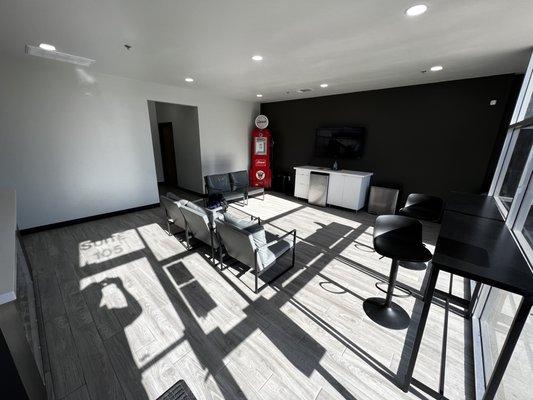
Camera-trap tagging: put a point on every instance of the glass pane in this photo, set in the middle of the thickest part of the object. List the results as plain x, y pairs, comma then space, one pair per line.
527, 230
495, 323
516, 166
529, 111
523, 226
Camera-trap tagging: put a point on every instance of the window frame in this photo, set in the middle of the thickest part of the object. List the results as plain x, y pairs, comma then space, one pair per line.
503, 165
522, 211
518, 122
514, 218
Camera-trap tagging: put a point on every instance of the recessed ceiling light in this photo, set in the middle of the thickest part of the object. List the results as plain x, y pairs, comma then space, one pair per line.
189, 80
259, 95
257, 57
47, 47
323, 85
414, 11
437, 68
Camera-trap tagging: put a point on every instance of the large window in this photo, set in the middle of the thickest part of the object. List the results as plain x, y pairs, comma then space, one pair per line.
512, 187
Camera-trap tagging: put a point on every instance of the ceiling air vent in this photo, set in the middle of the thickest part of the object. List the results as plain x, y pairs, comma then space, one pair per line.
303, 90
58, 56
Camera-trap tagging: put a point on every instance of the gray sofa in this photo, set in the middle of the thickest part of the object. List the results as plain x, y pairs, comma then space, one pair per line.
246, 241
233, 186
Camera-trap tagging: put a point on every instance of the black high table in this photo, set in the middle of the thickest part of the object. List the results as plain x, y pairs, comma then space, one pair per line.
477, 205
475, 244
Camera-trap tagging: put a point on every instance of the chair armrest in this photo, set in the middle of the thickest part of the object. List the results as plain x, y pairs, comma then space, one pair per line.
252, 217
293, 232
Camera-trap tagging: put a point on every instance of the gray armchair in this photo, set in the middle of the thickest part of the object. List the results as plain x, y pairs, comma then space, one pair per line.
200, 225
172, 204
247, 243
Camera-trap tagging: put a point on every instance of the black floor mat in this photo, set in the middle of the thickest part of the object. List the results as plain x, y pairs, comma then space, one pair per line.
178, 391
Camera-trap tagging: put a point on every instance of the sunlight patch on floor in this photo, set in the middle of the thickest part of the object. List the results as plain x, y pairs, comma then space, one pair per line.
160, 244
341, 238
118, 244
257, 207
314, 259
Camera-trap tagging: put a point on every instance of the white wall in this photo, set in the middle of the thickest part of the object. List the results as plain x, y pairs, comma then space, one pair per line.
74, 143
185, 128
8, 258
225, 147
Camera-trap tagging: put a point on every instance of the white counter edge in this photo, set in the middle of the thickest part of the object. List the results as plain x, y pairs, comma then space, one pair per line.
362, 174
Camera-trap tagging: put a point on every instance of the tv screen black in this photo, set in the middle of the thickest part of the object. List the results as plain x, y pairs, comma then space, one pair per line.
340, 142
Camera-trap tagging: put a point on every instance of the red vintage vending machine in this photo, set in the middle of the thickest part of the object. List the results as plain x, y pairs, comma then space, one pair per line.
260, 171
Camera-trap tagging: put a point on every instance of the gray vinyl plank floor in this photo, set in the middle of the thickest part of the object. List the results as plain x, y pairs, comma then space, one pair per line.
128, 311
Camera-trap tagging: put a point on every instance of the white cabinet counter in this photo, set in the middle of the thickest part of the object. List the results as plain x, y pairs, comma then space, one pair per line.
346, 188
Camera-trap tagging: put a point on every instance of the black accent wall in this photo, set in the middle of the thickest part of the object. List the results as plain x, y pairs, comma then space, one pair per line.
431, 138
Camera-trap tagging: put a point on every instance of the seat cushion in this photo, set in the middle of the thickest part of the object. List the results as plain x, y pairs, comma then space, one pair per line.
402, 250
254, 191
175, 197
422, 213
268, 255
197, 208
218, 183
258, 234
239, 180
232, 196
241, 223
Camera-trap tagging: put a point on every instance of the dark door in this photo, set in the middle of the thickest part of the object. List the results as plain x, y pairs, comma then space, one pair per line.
166, 139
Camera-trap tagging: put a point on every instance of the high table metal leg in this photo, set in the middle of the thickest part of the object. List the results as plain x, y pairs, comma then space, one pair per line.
417, 340
510, 342
473, 300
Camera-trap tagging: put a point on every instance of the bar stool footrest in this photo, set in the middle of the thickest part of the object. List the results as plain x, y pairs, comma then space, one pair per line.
406, 292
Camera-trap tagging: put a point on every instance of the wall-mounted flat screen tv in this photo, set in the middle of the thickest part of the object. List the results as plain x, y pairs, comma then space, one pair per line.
340, 142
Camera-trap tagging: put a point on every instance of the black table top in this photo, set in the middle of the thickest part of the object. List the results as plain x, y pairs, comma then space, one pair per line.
483, 250
473, 204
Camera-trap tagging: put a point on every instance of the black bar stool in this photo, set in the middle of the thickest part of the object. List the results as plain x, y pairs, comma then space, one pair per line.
422, 207
399, 238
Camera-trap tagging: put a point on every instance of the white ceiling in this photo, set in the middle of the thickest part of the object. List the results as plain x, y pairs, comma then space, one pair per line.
352, 45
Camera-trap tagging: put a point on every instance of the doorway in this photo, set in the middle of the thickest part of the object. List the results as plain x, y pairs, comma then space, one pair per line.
168, 156
176, 143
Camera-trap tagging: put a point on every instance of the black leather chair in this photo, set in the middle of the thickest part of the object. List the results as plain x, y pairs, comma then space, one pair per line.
422, 207
221, 184
241, 182
399, 238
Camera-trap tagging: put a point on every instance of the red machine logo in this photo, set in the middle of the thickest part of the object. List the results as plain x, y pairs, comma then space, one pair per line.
260, 172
